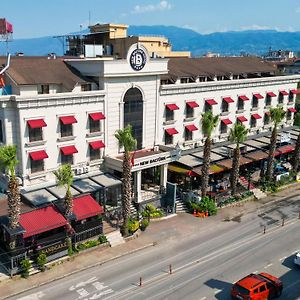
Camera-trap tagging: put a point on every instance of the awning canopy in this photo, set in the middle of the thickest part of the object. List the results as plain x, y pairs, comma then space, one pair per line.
38, 123
295, 92
85, 207
292, 109
172, 106
256, 116
41, 220
191, 127
192, 104
97, 116
69, 150
178, 169
271, 94
38, 155
66, 120
97, 145
211, 101
257, 155
226, 121
242, 119
171, 131
286, 149
228, 99
227, 163
284, 93
258, 96
244, 97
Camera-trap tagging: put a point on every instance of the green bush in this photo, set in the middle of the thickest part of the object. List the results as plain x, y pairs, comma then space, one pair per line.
87, 245
133, 225
41, 261
151, 211
102, 239
144, 224
206, 204
25, 265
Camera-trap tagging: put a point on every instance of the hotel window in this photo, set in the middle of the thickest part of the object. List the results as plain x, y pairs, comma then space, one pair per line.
66, 125
280, 98
223, 128
35, 129
67, 153
189, 111
254, 102
86, 87
168, 139
253, 122
188, 135
291, 97
43, 89
94, 125
289, 115
225, 106
1, 132
268, 100
95, 154
240, 104
170, 111
66, 159
36, 165
267, 119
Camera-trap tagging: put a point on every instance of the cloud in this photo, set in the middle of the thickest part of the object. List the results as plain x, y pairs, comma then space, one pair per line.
162, 5
255, 27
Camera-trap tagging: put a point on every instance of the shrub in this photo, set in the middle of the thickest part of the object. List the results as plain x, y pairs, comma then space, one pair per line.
25, 265
70, 248
151, 211
144, 224
41, 261
87, 245
206, 204
133, 225
102, 239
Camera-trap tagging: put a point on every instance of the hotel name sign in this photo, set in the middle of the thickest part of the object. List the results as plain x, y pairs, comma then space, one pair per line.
156, 160
55, 248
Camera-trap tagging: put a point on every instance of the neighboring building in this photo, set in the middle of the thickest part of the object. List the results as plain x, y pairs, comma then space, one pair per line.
67, 110
289, 67
112, 39
279, 55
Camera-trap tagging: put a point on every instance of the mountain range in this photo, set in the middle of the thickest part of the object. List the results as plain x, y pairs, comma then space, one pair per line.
255, 42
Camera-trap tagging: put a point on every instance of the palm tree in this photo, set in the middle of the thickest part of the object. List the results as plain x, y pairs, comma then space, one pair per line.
64, 176
296, 156
208, 122
126, 140
238, 135
8, 159
277, 114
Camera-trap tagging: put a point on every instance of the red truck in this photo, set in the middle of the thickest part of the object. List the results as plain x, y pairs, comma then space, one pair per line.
257, 287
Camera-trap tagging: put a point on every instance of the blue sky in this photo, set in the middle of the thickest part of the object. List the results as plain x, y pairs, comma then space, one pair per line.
36, 18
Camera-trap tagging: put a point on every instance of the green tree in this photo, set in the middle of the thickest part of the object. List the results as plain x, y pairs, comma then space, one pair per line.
238, 135
296, 155
208, 122
277, 114
126, 140
65, 177
8, 159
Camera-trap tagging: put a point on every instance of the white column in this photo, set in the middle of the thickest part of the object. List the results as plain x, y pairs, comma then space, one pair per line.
138, 185
163, 175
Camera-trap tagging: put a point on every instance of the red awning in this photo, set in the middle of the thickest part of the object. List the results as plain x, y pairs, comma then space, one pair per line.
271, 94
38, 123
38, 155
211, 101
256, 116
258, 96
286, 149
228, 99
171, 131
192, 104
292, 109
68, 150
68, 120
97, 145
242, 119
41, 220
191, 127
284, 93
172, 106
295, 92
85, 207
243, 97
226, 121
97, 116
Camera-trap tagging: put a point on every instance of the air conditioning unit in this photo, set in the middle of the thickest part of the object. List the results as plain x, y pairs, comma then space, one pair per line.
78, 171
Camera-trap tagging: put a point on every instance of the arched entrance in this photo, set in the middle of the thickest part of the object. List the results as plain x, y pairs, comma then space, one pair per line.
133, 114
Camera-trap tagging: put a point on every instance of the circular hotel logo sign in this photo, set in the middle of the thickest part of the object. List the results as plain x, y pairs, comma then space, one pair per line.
138, 59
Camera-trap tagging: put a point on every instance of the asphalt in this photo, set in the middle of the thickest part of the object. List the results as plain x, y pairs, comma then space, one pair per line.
158, 232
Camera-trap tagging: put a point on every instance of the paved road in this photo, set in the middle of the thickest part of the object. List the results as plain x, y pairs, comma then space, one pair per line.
204, 263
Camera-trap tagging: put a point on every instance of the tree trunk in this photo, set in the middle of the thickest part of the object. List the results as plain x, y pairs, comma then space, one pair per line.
205, 167
296, 156
270, 164
235, 170
68, 203
126, 191
13, 202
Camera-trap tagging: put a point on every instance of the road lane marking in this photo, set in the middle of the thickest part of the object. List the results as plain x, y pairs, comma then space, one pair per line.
282, 258
35, 296
267, 266
203, 298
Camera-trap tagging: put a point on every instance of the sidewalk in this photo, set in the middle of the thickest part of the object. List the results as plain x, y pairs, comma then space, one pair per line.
158, 232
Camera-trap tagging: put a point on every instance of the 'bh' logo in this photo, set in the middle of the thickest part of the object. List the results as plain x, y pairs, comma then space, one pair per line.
138, 59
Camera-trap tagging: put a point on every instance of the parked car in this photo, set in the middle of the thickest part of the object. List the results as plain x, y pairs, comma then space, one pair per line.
297, 259
257, 287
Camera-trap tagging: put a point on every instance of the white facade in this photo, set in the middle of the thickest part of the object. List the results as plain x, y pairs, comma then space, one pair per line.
115, 78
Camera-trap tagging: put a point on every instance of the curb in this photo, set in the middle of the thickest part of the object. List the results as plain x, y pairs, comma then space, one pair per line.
77, 271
